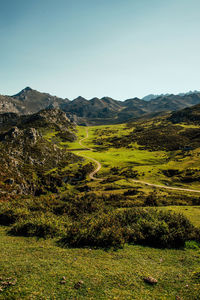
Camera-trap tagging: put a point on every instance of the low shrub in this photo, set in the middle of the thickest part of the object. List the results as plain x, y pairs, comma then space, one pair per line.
91, 220
192, 245
142, 226
10, 214
78, 206
97, 231
40, 226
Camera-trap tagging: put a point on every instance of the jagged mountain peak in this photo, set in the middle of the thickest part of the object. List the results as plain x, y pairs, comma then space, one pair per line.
79, 99
23, 91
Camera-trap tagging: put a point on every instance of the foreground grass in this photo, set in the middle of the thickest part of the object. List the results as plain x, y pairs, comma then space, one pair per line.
39, 265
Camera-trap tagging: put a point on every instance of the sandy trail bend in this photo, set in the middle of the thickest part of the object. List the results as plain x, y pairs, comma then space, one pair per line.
91, 175
165, 186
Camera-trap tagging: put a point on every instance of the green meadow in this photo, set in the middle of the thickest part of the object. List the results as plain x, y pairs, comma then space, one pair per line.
39, 267
148, 164
43, 269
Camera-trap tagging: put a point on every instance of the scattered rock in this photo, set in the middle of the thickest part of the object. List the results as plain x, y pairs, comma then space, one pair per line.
15, 132
32, 134
9, 181
150, 280
6, 282
78, 284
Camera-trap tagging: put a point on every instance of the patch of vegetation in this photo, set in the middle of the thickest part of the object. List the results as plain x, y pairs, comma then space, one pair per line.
91, 221
147, 227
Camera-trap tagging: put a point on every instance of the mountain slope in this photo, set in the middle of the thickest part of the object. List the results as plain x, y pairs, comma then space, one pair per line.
27, 156
29, 101
187, 115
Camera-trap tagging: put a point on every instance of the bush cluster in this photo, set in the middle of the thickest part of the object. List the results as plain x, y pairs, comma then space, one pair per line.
40, 225
141, 226
92, 221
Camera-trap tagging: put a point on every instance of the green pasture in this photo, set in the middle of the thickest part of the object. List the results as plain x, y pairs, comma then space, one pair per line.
39, 266
191, 212
149, 164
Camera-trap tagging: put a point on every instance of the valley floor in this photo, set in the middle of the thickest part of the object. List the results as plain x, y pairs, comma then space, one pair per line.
149, 164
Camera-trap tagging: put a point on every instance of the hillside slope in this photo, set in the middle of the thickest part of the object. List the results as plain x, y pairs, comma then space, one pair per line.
188, 115
27, 156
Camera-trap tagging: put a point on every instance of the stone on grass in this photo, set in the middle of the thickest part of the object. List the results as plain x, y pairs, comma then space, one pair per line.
150, 280
78, 284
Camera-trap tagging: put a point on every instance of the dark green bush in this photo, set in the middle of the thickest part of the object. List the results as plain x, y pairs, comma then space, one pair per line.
40, 226
146, 227
97, 231
76, 206
89, 220
10, 214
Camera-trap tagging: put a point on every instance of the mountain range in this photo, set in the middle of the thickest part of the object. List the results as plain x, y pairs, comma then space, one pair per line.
96, 111
153, 96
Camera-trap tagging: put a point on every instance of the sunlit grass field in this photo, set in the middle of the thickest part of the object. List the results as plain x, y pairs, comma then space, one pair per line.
191, 212
149, 164
39, 267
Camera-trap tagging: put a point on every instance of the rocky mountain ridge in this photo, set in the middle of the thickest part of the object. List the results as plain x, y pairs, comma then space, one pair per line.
95, 111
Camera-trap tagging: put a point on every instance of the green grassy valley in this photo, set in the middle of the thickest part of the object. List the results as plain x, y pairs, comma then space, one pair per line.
108, 208
122, 159
99, 150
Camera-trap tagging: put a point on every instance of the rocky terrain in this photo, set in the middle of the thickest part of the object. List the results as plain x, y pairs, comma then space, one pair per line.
27, 156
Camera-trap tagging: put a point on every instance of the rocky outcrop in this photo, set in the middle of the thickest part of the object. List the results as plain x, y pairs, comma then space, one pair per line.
26, 155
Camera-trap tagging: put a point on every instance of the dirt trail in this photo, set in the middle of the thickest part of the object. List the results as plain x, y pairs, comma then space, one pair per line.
165, 186
91, 175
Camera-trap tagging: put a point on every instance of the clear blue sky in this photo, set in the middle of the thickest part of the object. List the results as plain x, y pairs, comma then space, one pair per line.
116, 48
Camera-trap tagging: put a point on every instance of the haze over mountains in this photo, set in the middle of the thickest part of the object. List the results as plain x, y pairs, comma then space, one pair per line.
152, 96
97, 111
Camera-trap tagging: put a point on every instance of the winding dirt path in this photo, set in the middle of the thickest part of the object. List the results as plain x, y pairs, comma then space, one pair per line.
165, 186
91, 175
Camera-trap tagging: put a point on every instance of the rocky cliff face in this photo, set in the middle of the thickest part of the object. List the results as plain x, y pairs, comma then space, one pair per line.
26, 156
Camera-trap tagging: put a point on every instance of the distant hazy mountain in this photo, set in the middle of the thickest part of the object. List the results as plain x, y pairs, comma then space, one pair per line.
152, 96
96, 111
